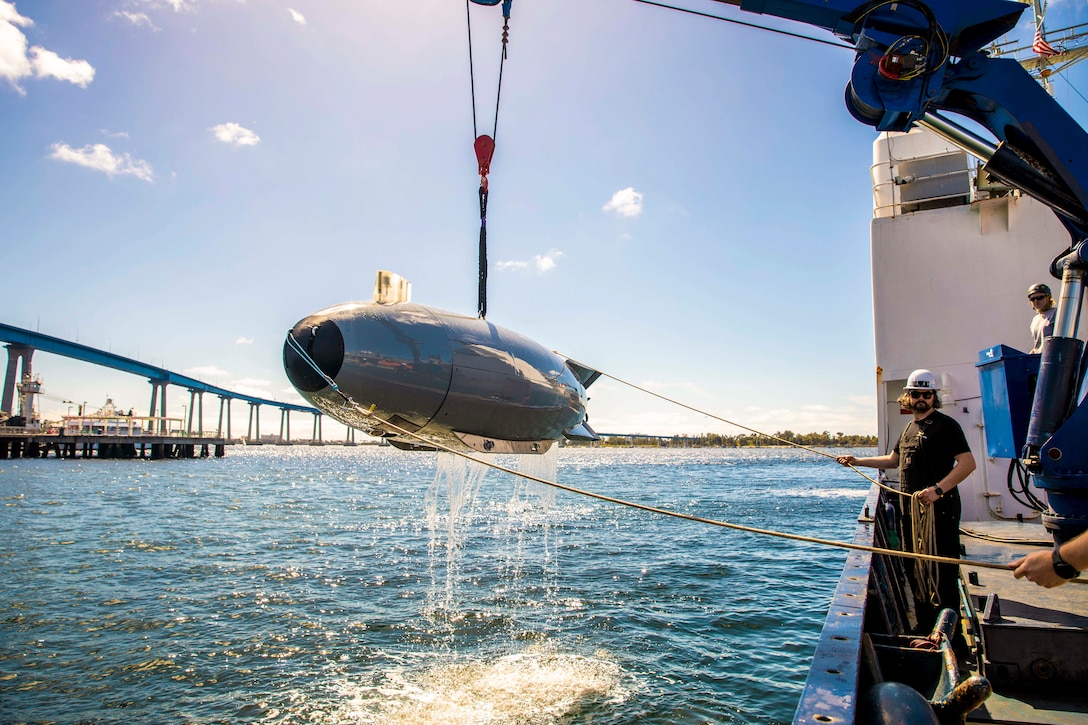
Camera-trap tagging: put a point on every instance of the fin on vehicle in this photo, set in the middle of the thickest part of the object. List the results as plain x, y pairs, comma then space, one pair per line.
586, 376
581, 432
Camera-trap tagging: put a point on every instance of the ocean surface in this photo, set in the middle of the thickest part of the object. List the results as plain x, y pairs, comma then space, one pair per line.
370, 585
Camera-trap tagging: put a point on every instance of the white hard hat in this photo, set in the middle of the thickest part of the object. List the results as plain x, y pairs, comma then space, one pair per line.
921, 380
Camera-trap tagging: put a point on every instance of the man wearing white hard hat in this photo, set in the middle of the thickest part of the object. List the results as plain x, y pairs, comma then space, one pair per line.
933, 457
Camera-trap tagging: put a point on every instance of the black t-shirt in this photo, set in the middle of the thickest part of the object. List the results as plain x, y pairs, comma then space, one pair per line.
927, 450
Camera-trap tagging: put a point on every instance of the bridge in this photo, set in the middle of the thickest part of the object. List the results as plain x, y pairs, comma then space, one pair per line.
23, 343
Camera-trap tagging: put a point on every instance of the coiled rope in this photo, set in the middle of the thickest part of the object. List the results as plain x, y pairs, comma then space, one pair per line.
349, 403
924, 539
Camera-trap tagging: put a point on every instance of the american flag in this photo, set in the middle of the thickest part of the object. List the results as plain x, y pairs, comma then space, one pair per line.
1040, 45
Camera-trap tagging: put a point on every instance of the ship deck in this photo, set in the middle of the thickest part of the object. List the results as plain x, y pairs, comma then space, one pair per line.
1033, 638
1029, 641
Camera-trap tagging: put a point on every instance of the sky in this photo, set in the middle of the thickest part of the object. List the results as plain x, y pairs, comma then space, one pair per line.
679, 202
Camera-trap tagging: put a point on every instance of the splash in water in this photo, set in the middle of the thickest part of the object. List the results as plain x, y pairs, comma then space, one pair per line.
535, 685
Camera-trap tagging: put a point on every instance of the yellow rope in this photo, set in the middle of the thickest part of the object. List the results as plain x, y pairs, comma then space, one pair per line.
700, 412
924, 541
920, 557
673, 401
387, 425
676, 514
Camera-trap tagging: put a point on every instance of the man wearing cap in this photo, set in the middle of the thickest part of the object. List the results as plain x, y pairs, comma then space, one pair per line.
1042, 325
933, 457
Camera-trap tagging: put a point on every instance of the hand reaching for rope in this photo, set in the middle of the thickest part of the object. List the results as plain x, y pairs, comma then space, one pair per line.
1039, 568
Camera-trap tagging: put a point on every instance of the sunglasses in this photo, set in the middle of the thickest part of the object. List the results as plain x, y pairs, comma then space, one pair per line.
927, 394
1036, 298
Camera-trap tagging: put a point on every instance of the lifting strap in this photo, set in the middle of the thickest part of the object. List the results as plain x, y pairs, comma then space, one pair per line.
484, 145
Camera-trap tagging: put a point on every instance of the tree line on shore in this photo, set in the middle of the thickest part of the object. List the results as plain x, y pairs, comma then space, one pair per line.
743, 440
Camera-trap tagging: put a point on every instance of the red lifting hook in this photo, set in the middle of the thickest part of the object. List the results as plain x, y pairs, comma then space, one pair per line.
485, 149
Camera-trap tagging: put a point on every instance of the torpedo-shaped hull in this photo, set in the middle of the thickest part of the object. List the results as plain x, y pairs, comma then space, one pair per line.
451, 379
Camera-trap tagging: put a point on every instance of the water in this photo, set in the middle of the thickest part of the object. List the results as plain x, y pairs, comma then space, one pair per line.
316, 585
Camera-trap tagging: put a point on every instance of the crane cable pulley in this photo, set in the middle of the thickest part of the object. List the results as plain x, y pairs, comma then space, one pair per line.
484, 145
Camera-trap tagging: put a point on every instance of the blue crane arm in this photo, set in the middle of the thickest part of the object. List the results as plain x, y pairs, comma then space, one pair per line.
917, 58
969, 25
1041, 148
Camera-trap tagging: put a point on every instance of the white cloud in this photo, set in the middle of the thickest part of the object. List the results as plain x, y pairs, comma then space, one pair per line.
244, 341
810, 418
99, 157
235, 134
297, 16
8, 13
48, 64
615, 410
16, 64
178, 5
13, 61
252, 386
136, 18
625, 202
546, 262
253, 382
540, 263
209, 371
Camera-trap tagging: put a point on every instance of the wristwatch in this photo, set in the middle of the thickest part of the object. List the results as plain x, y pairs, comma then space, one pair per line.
937, 490
1061, 567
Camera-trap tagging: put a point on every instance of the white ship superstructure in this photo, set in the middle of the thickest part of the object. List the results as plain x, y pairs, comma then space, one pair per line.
953, 256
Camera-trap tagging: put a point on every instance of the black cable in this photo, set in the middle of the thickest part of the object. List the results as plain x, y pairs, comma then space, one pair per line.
483, 253
1008, 482
502, 62
1030, 500
471, 72
484, 167
1062, 76
747, 25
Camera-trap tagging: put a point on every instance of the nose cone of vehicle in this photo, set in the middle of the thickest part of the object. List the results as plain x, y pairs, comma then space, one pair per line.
323, 342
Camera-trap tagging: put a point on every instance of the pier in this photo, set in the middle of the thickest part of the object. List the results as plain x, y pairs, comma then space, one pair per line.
16, 442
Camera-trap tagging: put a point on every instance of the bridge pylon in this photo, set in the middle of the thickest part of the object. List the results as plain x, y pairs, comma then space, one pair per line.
19, 356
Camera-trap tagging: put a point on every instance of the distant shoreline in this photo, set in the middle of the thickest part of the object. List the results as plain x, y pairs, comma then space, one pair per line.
715, 440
